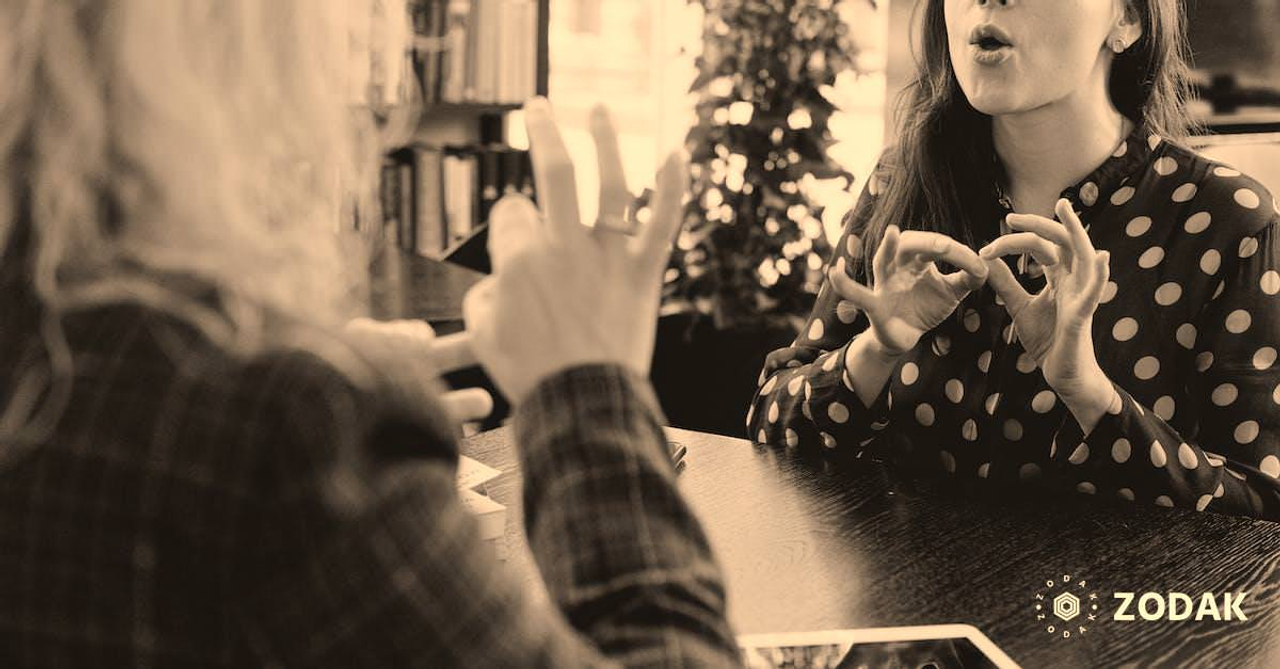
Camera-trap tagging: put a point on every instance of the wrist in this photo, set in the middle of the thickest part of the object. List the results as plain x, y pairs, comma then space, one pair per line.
1090, 403
873, 347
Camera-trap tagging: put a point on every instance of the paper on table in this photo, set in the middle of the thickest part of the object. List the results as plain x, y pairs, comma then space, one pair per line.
472, 473
491, 515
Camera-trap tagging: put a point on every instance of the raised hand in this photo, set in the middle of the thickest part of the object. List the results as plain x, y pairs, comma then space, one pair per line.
564, 294
910, 295
1055, 325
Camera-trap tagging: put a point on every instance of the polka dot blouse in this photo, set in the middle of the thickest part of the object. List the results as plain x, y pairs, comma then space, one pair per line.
1188, 332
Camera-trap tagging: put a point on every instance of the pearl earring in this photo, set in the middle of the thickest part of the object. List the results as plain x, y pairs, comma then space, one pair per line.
1118, 45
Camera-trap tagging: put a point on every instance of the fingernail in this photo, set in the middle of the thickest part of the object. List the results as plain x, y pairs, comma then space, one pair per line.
537, 107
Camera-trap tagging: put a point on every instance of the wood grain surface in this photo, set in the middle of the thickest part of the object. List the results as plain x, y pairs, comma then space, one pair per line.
812, 545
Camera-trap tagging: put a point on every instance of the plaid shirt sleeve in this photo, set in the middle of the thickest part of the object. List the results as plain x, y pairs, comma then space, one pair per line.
618, 548
366, 557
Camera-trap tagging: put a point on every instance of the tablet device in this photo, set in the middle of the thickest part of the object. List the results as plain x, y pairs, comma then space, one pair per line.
923, 647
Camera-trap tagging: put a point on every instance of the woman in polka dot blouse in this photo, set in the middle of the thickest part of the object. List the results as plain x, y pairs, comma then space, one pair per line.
1040, 286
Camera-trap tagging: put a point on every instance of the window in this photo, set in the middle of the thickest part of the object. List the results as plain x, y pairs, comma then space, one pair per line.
628, 54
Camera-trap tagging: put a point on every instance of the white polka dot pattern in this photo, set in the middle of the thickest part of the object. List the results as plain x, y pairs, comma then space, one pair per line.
1192, 343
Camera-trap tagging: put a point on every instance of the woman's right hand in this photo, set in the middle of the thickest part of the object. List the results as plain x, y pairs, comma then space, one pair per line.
563, 294
909, 295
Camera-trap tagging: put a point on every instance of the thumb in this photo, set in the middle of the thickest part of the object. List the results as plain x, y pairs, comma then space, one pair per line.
1007, 287
513, 226
477, 309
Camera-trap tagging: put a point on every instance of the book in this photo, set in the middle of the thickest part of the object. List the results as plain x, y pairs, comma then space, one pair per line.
475, 51
459, 194
454, 68
429, 222
434, 200
490, 182
405, 217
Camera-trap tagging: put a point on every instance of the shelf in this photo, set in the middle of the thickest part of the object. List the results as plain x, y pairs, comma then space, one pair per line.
473, 108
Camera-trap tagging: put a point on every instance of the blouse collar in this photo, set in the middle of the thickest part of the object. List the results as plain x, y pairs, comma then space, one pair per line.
1129, 157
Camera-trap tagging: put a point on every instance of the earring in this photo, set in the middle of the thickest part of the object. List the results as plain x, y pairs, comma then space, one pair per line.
1118, 45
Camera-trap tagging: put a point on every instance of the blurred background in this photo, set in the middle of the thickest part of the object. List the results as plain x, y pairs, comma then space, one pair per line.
784, 106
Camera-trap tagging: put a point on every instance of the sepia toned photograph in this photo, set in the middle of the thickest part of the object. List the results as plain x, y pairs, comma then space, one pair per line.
880, 334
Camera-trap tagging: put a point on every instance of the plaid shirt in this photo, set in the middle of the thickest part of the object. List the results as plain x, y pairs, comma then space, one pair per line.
194, 510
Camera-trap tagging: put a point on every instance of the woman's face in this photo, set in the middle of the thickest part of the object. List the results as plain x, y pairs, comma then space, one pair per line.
1013, 56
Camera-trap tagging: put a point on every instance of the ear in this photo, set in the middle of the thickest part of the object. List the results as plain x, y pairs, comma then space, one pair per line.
1128, 23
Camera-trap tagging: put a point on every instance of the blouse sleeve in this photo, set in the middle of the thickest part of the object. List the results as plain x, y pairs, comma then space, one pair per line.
1232, 460
805, 396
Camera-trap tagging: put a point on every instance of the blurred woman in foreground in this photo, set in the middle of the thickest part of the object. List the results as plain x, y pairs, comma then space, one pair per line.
198, 469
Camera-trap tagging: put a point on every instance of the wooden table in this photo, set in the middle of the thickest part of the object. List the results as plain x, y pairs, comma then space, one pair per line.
812, 546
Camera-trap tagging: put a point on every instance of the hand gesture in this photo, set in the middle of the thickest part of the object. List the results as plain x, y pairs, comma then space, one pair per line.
910, 295
563, 294
414, 344
1055, 325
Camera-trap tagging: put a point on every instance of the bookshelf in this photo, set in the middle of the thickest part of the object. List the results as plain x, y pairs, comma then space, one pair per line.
446, 159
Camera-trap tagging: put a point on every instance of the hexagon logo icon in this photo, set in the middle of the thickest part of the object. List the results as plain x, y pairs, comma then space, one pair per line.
1066, 606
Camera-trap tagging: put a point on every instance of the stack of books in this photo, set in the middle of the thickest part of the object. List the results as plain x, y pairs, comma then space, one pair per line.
434, 198
475, 51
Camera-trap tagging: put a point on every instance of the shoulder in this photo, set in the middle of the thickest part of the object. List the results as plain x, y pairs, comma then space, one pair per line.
874, 184
1232, 204
230, 418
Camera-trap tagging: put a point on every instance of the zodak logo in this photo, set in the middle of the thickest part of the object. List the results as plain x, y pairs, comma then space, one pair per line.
1179, 606
1067, 607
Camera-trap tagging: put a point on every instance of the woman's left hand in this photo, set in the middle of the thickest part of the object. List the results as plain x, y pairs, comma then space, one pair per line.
1055, 325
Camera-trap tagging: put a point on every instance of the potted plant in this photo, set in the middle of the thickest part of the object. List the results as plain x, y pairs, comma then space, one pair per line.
750, 258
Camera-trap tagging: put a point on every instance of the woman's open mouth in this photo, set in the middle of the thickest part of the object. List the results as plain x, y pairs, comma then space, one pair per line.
990, 45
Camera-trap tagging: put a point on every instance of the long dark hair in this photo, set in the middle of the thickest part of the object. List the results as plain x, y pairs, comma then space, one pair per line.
941, 175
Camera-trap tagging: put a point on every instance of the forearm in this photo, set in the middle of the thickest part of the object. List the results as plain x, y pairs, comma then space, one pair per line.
619, 549
869, 367
1146, 459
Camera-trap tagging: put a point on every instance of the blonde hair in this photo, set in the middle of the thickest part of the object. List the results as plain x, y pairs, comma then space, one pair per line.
210, 139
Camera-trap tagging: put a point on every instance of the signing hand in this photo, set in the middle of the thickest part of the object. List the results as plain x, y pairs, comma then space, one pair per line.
563, 294
910, 296
414, 345
1055, 326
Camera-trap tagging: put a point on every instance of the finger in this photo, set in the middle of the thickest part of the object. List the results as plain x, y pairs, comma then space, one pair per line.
468, 404
614, 196
1007, 287
513, 226
885, 254
666, 213
931, 246
452, 352
361, 324
1050, 230
553, 171
1081, 247
1015, 243
861, 296
477, 308
964, 282
1102, 272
